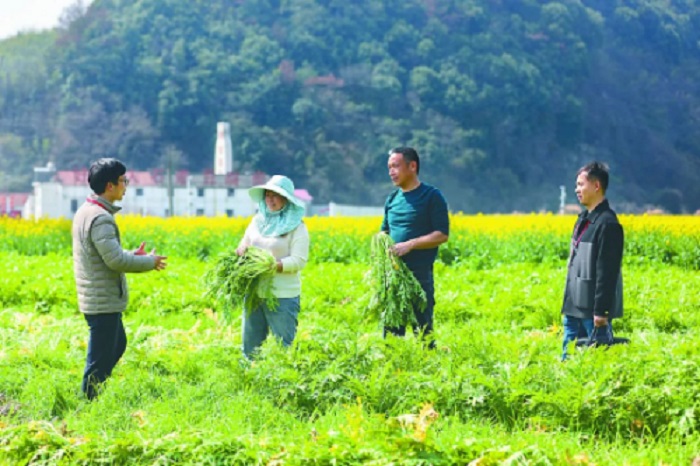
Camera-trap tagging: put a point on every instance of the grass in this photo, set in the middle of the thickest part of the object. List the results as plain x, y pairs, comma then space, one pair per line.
183, 394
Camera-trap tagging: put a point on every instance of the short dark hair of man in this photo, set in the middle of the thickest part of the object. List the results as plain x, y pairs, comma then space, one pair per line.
104, 171
409, 155
596, 171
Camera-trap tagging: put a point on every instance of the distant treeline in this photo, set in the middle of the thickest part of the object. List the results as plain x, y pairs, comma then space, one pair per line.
504, 99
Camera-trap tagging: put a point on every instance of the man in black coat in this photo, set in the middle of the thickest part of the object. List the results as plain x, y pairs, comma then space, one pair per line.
593, 293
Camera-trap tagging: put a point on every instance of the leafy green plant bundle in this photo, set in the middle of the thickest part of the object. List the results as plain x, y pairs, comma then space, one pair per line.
394, 290
234, 279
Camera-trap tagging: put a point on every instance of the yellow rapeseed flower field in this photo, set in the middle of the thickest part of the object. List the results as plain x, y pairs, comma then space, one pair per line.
671, 239
682, 225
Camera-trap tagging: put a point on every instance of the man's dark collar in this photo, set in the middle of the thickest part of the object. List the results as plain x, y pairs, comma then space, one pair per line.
599, 209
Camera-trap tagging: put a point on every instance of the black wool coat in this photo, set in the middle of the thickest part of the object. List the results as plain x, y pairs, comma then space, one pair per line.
594, 277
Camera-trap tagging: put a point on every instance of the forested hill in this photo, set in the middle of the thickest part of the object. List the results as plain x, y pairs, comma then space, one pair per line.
504, 99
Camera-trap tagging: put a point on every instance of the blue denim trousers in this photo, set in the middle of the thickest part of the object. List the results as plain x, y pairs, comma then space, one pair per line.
574, 328
424, 318
282, 322
106, 346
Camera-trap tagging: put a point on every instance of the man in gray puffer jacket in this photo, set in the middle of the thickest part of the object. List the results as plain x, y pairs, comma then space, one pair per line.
99, 264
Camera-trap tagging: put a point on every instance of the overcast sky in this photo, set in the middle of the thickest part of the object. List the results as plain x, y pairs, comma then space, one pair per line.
23, 15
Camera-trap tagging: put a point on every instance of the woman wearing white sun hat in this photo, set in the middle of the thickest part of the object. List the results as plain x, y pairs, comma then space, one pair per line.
279, 229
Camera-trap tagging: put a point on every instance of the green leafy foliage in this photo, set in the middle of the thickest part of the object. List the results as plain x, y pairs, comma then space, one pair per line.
393, 289
245, 280
502, 99
493, 390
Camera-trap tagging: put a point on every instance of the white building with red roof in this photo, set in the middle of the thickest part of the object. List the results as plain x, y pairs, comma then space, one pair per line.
13, 204
59, 193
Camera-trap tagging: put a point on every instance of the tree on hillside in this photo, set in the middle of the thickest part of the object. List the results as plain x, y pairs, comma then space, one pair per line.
504, 100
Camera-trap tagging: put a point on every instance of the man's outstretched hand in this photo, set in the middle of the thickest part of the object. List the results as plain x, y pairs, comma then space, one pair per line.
160, 260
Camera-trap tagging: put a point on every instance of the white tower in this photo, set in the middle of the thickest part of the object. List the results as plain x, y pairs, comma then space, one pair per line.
223, 155
562, 199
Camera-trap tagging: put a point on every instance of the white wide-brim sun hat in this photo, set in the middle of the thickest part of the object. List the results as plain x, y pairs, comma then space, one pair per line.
278, 184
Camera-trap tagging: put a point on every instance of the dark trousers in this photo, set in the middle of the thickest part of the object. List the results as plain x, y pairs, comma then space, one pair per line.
105, 347
578, 328
424, 275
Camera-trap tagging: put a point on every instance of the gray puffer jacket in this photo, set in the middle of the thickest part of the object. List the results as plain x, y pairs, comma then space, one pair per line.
99, 262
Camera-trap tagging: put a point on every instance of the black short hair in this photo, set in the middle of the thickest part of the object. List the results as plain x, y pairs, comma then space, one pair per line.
104, 171
596, 171
409, 155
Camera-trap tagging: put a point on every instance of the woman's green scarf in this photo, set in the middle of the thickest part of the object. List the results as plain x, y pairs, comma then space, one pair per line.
278, 223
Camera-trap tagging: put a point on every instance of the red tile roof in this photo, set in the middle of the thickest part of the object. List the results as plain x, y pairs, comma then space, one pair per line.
303, 195
79, 178
16, 200
72, 177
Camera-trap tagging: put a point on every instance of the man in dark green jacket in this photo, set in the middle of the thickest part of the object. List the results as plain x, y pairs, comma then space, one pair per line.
593, 293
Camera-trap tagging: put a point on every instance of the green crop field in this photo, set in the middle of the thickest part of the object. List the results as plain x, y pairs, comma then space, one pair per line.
492, 392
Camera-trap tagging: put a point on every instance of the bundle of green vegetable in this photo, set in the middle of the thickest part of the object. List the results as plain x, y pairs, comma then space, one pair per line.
394, 290
233, 278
